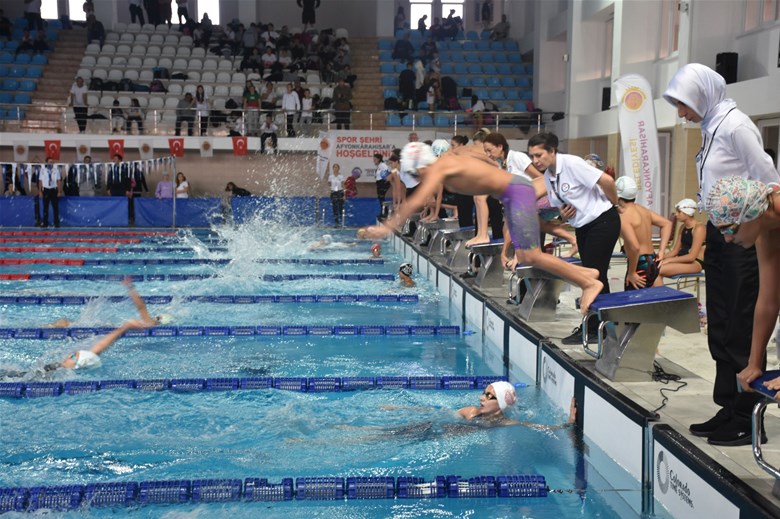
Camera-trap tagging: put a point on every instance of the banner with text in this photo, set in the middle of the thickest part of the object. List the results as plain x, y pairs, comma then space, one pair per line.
639, 138
354, 151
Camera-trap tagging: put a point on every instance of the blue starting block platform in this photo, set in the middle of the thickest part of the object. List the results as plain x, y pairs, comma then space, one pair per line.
536, 291
425, 231
631, 326
485, 264
758, 425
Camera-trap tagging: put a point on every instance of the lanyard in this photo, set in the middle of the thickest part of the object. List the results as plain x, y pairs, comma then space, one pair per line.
556, 187
704, 152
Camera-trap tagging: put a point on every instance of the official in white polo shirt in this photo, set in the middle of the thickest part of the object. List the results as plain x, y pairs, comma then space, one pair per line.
50, 184
587, 199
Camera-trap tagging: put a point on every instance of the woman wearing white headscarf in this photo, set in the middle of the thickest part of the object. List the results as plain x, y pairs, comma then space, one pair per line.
731, 145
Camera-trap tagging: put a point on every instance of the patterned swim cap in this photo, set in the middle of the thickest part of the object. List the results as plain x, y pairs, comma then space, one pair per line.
440, 146
406, 269
594, 160
416, 155
737, 200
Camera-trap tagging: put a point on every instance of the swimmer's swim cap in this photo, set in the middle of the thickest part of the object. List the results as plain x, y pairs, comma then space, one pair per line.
406, 269
327, 239
376, 246
687, 206
416, 155
440, 146
506, 396
164, 319
626, 188
594, 160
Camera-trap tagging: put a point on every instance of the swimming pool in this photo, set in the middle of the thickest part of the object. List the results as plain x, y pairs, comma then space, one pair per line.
191, 433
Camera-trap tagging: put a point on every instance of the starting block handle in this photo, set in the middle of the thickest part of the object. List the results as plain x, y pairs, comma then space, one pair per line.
758, 410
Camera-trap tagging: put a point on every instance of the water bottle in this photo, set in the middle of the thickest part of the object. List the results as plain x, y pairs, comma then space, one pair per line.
703, 318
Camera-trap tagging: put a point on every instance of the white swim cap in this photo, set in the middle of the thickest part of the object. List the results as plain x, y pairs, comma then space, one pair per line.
164, 319
416, 155
626, 188
327, 239
506, 396
440, 146
687, 206
87, 360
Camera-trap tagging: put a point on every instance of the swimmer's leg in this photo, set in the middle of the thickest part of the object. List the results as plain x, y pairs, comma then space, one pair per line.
560, 232
60, 323
480, 203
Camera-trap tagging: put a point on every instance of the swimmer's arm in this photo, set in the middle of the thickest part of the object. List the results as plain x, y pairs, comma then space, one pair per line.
607, 184
630, 244
138, 302
430, 184
538, 426
666, 232
539, 187
109, 339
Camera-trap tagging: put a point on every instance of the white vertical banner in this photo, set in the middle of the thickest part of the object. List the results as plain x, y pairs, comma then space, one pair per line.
323, 154
639, 138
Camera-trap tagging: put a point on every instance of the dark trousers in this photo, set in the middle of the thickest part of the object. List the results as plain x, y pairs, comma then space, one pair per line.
37, 202
80, 113
136, 13
50, 197
182, 12
465, 205
495, 218
190, 120
264, 137
596, 241
732, 289
382, 186
337, 201
34, 21
342, 120
204, 125
290, 129
129, 124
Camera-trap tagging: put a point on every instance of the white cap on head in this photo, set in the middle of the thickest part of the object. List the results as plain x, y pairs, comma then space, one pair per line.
327, 239
165, 319
626, 188
416, 155
687, 206
506, 395
440, 146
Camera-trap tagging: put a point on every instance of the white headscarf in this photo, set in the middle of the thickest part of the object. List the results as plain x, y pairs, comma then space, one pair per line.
703, 90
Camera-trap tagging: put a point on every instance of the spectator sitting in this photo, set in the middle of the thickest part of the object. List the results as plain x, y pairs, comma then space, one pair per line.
26, 43
477, 107
403, 51
40, 45
135, 114
269, 36
428, 49
268, 58
95, 31
452, 25
501, 30
268, 97
185, 113
5, 25
347, 75
327, 74
285, 58
117, 117
236, 191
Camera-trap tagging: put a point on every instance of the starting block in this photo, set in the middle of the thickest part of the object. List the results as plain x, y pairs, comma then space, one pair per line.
485, 264
542, 291
410, 225
758, 425
426, 230
444, 240
631, 326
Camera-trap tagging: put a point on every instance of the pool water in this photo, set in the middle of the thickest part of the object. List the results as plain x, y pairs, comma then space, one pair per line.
117, 435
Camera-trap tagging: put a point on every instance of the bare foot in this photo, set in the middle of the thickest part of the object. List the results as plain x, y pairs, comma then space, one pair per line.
574, 250
589, 294
477, 240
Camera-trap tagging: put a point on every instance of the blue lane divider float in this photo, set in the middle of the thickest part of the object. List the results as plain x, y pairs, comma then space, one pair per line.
236, 331
319, 488
225, 299
300, 384
225, 261
138, 278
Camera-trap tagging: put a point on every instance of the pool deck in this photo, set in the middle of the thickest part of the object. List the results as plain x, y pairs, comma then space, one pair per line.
686, 355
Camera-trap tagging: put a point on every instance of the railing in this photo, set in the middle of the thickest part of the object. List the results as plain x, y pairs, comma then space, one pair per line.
247, 121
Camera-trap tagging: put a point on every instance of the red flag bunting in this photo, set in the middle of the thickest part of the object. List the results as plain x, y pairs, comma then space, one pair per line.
239, 146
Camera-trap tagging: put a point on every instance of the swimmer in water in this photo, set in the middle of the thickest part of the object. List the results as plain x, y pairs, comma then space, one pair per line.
376, 251
405, 275
326, 242
471, 173
143, 312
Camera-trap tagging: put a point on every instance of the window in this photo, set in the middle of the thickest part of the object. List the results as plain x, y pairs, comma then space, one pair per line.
76, 10
452, 4
417, 10
609, 28
49, 10
752, 10
769, 11
210, 7
670, 28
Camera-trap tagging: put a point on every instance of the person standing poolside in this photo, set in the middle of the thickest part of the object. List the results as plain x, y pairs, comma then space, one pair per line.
471, 172
687, 255
587, 199
50, 185
731, 145
336, 181
636, 226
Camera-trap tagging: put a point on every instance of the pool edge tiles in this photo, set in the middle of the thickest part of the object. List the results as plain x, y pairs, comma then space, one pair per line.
524, 347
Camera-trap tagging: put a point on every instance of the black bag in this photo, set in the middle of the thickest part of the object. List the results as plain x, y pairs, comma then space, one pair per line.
125, 85
96, 83
466, 92
180, 75
161, 73
391, 103
111, 86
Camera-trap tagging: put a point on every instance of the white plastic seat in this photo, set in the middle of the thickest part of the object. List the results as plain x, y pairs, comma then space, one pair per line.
209, 90
209, 64
148, 28
103, 61
197, 64
312, 79
93, 99
150, 63
168, 116
146, 76
180, 65
280, 90
162, 29
183, 52
341, 33
106, 101
193, 75
92, 49
134, 62
84, 73
131, 74
124, 101
119, 62
124, 37
221, 90
171, 39
239, 77
236, 90
100, 73
142, 39
225, 64
108, 50
88, 61
120, 27
189, 88
156, 39
133, 27
185, 41
139, 50
115, 74
198, 52
156, 102
165, 63
253, 76
122, 50
171, 102
153, 50
143, 100
208, 77
169, 50
296, 30
223, 77
313, 90
112, 37
218, 103
174, 89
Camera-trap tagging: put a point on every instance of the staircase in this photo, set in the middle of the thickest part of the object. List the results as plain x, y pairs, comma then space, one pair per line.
45, 114
367, 97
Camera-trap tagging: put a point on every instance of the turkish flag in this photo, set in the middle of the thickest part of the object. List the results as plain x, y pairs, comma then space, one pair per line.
176, 146
52, 149
116, 147
239, 146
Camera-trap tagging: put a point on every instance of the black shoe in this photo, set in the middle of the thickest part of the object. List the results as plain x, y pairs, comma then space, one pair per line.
576, 337
711, 425
734, 434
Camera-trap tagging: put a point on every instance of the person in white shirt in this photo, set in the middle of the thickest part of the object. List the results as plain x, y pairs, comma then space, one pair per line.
731, 146
291, 105
78, 100
268, 58
336, 181
182, 186
202, 109
269, 35
306, 107
268, 131
50, 184
587, 199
